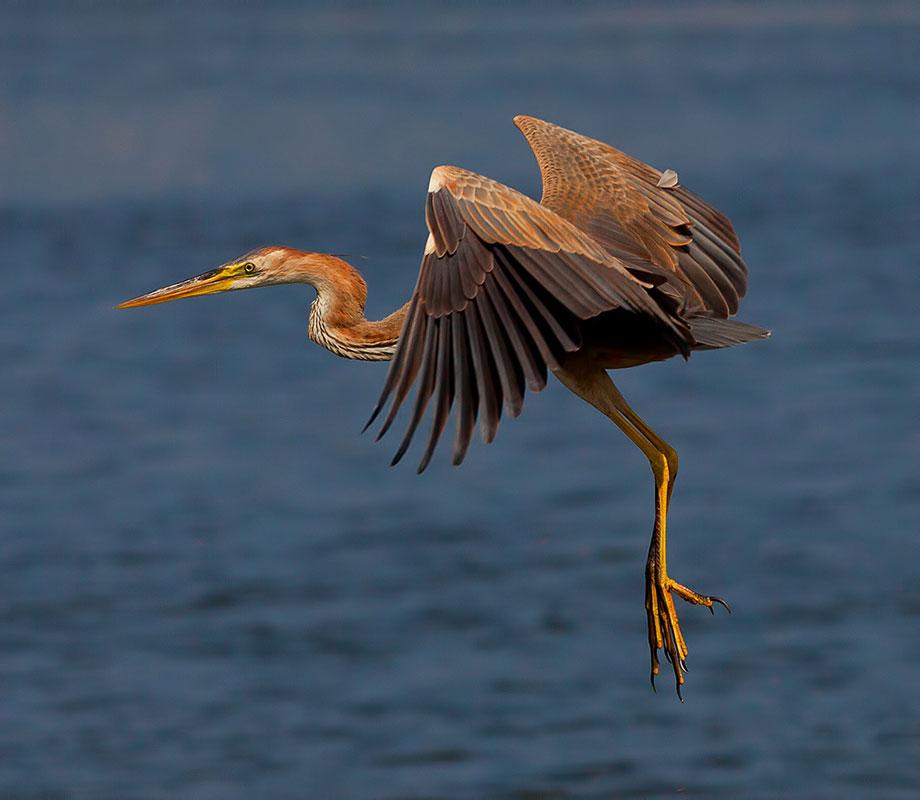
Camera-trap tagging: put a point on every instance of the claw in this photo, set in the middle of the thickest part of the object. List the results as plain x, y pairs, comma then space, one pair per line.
662, 617
721, 602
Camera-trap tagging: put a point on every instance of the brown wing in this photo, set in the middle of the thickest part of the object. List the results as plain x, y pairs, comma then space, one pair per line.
503, 285
639, 213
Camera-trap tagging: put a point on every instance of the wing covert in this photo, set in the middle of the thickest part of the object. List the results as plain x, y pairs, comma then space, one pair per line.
637, 212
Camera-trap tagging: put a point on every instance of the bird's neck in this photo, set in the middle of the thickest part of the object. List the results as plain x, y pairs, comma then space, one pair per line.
337, 319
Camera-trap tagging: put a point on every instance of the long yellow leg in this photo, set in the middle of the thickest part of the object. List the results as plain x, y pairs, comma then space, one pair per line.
595, 386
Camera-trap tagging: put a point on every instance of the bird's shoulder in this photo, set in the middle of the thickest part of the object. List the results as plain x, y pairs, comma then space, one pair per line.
460, 199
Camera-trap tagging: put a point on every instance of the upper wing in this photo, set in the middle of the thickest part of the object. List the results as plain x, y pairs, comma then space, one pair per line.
502, 286
636, 211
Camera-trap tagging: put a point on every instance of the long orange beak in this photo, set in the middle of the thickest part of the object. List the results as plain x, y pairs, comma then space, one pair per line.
216, 280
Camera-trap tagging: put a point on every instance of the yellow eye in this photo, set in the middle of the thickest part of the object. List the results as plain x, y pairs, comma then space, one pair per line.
249, 268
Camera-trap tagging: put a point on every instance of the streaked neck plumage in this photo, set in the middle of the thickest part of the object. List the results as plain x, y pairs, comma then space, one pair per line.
337, 319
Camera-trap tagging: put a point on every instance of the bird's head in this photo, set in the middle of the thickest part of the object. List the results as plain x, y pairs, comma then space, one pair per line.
266, 266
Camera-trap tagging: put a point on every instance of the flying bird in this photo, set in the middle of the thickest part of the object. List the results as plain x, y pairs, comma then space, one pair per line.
617, 265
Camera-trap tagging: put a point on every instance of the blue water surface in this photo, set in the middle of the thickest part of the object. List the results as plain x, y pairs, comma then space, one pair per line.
212, 587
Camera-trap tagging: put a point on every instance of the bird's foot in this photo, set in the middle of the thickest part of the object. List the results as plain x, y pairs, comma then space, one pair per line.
663, 627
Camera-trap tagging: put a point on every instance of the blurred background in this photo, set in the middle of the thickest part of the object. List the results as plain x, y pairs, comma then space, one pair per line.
212, 587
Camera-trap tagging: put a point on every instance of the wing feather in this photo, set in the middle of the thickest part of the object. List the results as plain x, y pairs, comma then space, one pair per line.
470, 272
503, 288
720, 277
534, 373
509, 372
443, 389
729, 260
533, 331
506, 284
558, 326
704, 213
704, 286
403, 369
425, 387
621, 203
487, 384
465, 387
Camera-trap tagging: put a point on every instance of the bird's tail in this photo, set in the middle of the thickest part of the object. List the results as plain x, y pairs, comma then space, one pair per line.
711, 333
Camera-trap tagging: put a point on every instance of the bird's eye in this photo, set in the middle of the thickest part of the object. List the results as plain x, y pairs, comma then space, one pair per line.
249, 268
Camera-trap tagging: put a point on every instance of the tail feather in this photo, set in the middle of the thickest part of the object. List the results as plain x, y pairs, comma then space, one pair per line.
711, 333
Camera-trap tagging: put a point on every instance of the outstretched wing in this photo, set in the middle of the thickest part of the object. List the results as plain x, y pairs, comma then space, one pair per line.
502, 286
638, 212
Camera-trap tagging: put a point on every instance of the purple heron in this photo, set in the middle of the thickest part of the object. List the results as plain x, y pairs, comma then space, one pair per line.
617, 265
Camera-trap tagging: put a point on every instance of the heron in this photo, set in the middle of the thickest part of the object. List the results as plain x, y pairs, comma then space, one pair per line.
618, 265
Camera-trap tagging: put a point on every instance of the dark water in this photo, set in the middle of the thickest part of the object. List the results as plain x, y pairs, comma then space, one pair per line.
212, 587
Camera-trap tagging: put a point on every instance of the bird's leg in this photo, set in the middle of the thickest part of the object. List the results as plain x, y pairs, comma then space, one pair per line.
595, 386
660, 587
